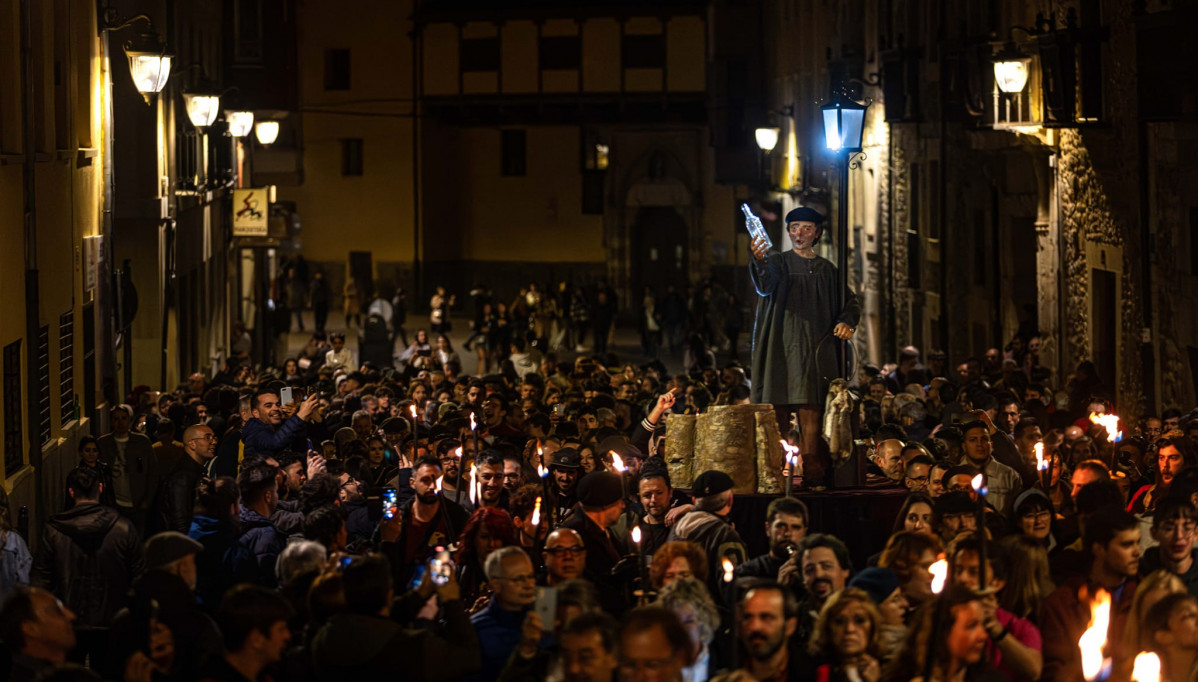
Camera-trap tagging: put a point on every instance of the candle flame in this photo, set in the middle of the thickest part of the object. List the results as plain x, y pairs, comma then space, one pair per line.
438, 483
1041, 463
1093, 639
412, 408
536, 512
542, 471
473, 483
473, 423
1147, 668
1110, 422
979, 484
458, 451
636, 535
727, 569
939, 571
792, 454
617, 463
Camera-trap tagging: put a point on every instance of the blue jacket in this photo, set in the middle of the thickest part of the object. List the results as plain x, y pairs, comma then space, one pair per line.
499, 633
260, 438
264, 542
224, 561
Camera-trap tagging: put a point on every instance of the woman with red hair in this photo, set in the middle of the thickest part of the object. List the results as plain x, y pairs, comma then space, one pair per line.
487, 530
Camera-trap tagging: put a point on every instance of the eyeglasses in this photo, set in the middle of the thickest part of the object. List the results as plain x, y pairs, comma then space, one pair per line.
1042, 515
562, 551
528, 578
206, 437
1171, 528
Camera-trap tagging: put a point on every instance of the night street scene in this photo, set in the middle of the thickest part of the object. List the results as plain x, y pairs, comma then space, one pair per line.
660, 341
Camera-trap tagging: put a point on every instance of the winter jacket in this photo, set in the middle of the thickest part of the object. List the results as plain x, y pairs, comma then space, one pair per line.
260, 438
263, 541
15, 563
89, 557
353, 646
139, 465
177, 496
224, 562
499, 633
718, 539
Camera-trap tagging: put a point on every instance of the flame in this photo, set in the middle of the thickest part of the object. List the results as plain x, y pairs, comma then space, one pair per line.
1110, 422
727, 569
412, 409
939, 571
438, 483
1093, 639
540, 455
458, 451
616, 462
979, 484
1147, 668
1041, 463
636, 535
792, 454
542, 471
473, 483
536, 512
473, 423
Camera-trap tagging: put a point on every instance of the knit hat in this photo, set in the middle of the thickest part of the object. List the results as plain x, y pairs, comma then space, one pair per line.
600, 489
169, 547
712, 482
880, 583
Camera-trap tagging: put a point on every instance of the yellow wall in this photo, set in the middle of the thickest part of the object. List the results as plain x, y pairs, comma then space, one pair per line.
380, 83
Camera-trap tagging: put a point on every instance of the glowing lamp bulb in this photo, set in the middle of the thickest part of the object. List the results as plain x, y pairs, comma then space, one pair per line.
267, 132
727, 569
636, 535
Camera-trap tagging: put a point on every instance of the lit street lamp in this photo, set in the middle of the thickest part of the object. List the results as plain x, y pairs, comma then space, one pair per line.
267, 132
149, 62
202, 107
240, 122
1011, 69
844, 125
767, 138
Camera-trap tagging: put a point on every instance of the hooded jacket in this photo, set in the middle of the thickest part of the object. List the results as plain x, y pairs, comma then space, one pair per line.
89, 557
718, 539
262, 540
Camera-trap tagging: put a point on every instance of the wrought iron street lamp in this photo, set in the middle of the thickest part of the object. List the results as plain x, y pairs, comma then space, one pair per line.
844, 126
240, 122
1011, 69
149, 61
203, 106
267, 132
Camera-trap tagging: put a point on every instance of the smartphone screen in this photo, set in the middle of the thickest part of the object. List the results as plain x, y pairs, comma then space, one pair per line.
390, 504
285, 396
546, 606
559, 409
441, 566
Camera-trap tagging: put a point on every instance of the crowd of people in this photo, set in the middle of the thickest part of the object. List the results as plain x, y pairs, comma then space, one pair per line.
335, 517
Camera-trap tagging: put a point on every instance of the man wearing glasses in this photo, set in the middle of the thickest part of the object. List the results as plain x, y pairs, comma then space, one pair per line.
500, 626
1174, 527
565, 556
176, 495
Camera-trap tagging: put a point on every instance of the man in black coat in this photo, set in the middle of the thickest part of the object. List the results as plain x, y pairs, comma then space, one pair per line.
177, 494
89, 557
600, 504
708, 526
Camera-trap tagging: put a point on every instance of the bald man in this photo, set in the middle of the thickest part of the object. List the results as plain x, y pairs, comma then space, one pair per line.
889, 459
565, 556
176, 496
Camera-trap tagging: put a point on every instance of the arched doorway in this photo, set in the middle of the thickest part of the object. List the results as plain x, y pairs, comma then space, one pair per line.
660, 252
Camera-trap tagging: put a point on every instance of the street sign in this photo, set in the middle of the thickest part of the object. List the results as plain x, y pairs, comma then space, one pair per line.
251, 211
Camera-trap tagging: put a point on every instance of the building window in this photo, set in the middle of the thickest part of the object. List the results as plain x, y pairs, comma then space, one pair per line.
66, 367
13, 436
336, 69
247, 31
561, 52
479, 54
351, 156
644, 51
514, 153
44, 420
595, 151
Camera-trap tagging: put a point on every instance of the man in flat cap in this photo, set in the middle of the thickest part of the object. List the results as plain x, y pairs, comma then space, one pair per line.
601, 502
707, 525
800, 316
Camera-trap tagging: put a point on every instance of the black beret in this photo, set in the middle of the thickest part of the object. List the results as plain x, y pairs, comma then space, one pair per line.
566, 458
803, 214
600, 489
712, 483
